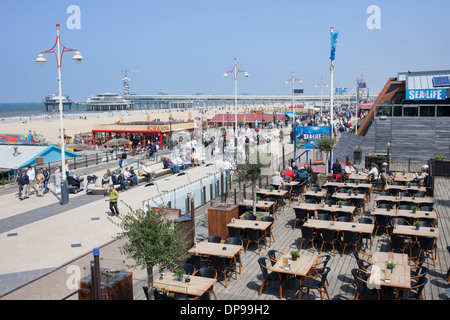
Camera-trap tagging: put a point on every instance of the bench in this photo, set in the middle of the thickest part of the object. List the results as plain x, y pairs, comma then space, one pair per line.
158, 169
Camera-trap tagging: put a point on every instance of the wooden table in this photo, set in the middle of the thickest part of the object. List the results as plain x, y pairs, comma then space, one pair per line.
196, 287
216, 249
340, 226
405, 188
404, 213
400, 177
400, 276
317, 194
291, 183
415, 200
411, 231
359, 176
345, 196
265, 205
332, 208
300, 267
244, 224
354, 185
267, 192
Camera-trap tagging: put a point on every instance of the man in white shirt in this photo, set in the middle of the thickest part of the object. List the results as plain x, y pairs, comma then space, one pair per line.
148, 173
277, 180
32, 176
419, 176
227, 167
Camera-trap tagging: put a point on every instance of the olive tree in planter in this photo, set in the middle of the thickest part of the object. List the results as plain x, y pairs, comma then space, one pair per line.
357, 154
441, 166
252, 169
151, 240
326, 144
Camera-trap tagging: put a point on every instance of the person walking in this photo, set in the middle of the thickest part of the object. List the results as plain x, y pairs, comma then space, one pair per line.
113, 197
32, 178
23, 185
40, 182
46, 174
124, 158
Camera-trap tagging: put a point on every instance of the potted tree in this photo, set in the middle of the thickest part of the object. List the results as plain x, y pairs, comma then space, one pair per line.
409, 184
414, 209
357, 181
339, 203
326, 144
357, 154
271, 188
168, 240
295, 255
350, 192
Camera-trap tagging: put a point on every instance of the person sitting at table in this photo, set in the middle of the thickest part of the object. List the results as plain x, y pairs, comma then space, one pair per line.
277, 180
349, 169
373, 172
390, 173
385, 178
302, 175
337, 169
289, 173
422, 177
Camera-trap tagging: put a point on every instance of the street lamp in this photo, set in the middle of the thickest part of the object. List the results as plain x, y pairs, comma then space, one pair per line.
293, 80
41, 61
321, 85
235, 72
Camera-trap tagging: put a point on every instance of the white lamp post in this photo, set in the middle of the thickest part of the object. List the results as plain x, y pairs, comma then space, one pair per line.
235, 72
293, 80
321, 85
41, 61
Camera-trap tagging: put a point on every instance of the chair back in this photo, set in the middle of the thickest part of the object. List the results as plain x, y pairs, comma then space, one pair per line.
425, 243
324, 216
263, 266
253, 234
310, 200
301, 214
272, 256
398, 241
307, 232
350, 237
218, 262
328, 235
250, 216
234, 232
233, 240
214, 239
207, 272
196, 260
324, 274
381, 220
365, 220
344, 219
422, 282
188, 268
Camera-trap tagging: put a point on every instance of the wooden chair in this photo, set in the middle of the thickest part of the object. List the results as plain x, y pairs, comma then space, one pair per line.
269, 276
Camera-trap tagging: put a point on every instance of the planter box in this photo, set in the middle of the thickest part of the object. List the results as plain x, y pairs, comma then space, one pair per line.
378, 161
218, 218
441, 168
357, 156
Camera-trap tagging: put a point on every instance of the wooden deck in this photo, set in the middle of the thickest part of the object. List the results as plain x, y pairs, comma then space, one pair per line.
247, 285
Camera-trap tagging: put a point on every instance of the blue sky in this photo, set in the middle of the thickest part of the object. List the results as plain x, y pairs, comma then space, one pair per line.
184, 47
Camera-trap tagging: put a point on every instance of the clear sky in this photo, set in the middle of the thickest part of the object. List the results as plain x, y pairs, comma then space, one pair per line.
184, 47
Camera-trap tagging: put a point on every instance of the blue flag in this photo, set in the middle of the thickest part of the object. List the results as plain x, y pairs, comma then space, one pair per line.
334, 36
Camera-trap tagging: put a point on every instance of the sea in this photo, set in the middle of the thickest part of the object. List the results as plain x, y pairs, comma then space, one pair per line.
35, 110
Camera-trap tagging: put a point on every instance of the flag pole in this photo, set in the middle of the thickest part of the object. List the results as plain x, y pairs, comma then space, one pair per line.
331, 100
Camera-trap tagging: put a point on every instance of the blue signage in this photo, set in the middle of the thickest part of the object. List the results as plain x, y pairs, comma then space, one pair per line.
430, 94
306, 137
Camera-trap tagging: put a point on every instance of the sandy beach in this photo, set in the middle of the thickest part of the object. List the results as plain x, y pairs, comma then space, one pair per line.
49, 128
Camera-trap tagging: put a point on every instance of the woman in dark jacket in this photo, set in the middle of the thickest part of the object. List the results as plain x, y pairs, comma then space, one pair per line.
337, 170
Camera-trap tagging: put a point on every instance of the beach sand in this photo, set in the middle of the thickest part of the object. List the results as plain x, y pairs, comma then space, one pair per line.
50, 128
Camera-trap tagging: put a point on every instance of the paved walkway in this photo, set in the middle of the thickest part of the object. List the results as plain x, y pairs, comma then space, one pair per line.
44, 240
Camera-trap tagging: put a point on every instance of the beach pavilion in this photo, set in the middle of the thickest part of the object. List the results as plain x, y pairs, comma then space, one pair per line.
142, 132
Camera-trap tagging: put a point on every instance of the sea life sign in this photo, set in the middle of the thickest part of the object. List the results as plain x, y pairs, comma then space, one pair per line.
306, 137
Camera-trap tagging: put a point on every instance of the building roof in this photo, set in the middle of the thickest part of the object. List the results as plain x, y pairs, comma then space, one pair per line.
19, 156
425, 80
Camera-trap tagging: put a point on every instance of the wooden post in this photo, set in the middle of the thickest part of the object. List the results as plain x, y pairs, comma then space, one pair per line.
235, 197
211, 192
243, 193
204, 195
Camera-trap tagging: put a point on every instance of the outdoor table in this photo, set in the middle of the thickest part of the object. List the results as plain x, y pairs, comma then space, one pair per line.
354, 185
405, 188
216, 249
317, 194
300, 267
291, 183
432, 232
265, 205
345, 196
340, 226
197, 286
244, 224
417, 215
308, 206
359, 176
400, 277
273, 193
400, 177
415, 200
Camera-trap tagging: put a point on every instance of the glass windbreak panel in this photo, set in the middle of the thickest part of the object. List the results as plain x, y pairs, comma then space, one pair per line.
443, 111
398, 111
410, 111
427, 111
